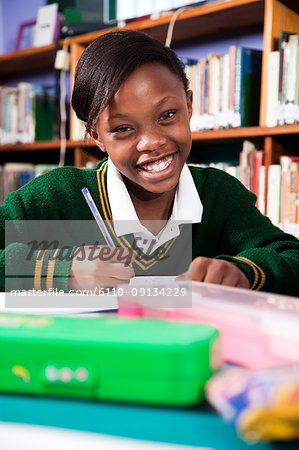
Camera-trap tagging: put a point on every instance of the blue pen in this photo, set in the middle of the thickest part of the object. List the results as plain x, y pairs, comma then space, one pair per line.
97, 216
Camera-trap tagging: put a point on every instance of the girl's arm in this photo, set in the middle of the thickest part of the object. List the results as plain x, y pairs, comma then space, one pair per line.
238, 233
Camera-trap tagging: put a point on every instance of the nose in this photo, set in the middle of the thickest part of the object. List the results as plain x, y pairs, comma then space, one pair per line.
151, 139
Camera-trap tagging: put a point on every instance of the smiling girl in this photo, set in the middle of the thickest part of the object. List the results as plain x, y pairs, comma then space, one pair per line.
132, 93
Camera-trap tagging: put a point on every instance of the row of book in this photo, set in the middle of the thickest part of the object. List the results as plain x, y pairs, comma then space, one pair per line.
15, 175
27, 113
283, 82
277, 192
226, 88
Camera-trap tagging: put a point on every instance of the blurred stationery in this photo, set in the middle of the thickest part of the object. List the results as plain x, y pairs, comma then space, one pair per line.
257, 329
107, 358
264, 405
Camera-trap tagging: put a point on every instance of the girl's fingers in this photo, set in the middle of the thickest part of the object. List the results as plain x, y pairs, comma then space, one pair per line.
216, 271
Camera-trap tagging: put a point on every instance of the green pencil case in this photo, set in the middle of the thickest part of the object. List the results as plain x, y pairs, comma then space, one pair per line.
127, 360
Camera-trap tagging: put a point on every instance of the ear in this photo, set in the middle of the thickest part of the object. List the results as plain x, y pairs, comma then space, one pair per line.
189, 95
96, 139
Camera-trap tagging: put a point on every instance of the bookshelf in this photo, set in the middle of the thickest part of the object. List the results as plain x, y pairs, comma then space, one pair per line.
206, 20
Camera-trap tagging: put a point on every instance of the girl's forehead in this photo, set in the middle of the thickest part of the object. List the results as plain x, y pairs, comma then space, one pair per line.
151, 75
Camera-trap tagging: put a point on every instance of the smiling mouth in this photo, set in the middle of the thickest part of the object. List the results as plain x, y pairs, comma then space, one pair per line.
157, 166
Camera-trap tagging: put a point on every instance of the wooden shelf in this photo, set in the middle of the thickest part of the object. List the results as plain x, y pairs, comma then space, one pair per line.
27, 60
245, 132
214, 18
35, 146
209, 135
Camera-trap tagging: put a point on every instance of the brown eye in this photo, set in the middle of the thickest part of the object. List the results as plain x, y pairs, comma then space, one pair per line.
167, 115
122, 129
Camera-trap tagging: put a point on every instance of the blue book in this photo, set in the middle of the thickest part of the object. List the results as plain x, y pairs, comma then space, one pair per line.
248, 68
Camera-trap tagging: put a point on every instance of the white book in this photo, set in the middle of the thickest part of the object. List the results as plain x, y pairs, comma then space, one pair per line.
125, 9
213, 90
272, 89
180, 3
291, 73
77, 129
224, 91
273, 196
290, 109
45, 25
144, 7
232, 170
262, 185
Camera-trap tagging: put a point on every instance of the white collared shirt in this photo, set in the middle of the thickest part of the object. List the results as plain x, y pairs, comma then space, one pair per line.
187, 208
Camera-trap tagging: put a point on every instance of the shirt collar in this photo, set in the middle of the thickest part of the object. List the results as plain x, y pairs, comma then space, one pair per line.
187, 207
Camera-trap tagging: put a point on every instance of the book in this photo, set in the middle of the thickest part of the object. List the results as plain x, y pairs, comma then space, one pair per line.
192, 73
247, 148
273, 193
213, 90
202, 93
224, 91
290, 96
294, 167
28, 113
256, 186
232, 63
248, 67
272, 89
261, 200
15, 175
283, 52
45, 25
285, 185
44, 113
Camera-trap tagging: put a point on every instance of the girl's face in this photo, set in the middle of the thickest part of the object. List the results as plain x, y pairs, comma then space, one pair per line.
145, 129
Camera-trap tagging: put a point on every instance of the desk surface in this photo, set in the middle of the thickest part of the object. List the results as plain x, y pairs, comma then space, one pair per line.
193, 426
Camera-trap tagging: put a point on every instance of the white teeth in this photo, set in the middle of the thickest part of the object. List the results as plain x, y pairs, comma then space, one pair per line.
158, 166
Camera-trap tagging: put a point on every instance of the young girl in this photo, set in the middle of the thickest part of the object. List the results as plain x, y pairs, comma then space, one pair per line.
132, 93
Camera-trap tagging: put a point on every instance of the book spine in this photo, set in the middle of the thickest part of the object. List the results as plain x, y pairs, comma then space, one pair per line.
258, 162
202, 65
273, 197
285, 163
293, 191
291, 80
237, 89
272, 89
251, 68
232, 63
224, 93
261, 203
213, 90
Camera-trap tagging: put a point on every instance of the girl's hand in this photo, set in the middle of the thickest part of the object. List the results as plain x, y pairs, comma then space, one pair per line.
100, 266
216, 271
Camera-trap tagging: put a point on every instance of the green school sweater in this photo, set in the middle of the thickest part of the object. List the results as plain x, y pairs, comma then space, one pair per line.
232, 228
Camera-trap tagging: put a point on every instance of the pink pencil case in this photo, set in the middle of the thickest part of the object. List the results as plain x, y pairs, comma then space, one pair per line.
257, 329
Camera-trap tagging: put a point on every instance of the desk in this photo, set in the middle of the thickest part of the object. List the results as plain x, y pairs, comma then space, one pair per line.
198, 426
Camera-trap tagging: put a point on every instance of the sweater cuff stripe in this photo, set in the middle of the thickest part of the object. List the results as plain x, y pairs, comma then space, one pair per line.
38, 270
259, 274
51, 268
